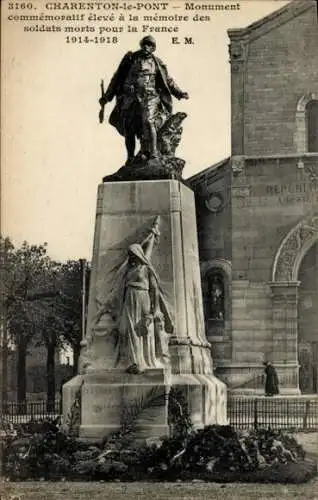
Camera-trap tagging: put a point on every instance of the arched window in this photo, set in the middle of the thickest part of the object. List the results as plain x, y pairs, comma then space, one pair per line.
215, 299
312, 126
216, 277
306, 124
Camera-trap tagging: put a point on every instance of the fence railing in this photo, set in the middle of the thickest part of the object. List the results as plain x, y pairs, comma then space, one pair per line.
30, 410
276, 413
243, 412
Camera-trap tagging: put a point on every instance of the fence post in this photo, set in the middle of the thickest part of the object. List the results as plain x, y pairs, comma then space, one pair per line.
305, 419
255, 414
2, 446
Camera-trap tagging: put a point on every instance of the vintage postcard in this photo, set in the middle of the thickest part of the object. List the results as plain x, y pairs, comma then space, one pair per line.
159, 255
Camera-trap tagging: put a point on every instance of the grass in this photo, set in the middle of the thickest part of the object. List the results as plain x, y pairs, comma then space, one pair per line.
309, 441
157, 491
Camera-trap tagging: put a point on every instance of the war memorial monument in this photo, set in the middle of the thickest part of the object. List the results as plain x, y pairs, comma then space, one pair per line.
145, 327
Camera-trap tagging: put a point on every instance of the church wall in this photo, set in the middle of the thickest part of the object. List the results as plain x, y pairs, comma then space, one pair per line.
263, 202
268, 199
214, 227
251, 323
308, 295
214, 238
280, 69
272, 185
253, 341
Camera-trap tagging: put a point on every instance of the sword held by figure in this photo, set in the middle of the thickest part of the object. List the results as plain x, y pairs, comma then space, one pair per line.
102, 103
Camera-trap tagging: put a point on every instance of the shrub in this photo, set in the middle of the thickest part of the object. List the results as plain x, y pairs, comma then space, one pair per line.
214, 453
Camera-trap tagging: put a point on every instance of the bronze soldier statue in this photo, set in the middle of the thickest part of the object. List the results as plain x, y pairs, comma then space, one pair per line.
143, 90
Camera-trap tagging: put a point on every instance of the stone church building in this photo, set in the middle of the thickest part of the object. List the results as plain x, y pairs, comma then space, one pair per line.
257, 211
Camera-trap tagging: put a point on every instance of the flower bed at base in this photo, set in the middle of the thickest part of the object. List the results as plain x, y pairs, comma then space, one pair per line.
216, 454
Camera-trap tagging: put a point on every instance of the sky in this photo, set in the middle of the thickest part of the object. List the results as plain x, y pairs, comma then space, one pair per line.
54, 152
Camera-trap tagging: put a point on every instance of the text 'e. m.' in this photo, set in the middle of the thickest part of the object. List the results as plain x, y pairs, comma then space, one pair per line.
187, 40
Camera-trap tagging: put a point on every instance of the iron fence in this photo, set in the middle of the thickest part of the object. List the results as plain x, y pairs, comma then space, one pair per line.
17, 413
277, 413
243, 412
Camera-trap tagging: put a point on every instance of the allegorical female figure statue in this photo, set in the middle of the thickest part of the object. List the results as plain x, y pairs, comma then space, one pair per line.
141, 314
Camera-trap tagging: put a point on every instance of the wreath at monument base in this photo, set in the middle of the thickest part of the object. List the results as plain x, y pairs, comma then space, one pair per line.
216, 453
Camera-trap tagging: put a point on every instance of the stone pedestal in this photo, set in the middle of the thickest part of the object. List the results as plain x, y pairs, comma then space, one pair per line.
109, 399
125, 210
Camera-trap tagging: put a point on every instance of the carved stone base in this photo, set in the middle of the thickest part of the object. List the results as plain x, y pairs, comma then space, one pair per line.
152, 169
109, 397
206, 396
125, 212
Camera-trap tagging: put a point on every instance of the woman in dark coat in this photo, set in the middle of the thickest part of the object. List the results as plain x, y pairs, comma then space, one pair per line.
271, 380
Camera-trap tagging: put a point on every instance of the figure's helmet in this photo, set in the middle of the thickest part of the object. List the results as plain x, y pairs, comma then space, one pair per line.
148, 40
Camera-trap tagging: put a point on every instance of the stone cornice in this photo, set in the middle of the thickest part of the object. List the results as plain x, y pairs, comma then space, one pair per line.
238, 51
209, 175
282, 156
238, 164
216, 171
272, 21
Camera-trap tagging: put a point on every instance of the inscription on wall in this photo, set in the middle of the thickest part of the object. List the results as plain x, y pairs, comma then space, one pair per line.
283, 194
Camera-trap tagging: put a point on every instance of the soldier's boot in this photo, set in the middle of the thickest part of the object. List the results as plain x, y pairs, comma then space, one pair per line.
153, 141
130, 146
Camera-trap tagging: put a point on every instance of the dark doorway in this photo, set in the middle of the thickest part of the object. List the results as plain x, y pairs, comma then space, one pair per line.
312, 126
308, 322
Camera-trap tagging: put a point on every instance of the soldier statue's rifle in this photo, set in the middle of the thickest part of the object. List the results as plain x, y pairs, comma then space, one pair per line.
102, 104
